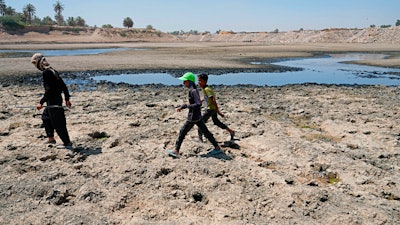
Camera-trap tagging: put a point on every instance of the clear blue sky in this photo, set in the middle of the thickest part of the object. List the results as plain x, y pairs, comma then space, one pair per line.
235, 15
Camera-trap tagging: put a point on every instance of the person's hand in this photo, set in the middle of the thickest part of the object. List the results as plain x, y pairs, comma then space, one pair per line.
68, 104
39, 106
179, 109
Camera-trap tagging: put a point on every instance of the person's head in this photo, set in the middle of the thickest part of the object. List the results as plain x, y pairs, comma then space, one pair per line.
202, 80
189, 79
39, 61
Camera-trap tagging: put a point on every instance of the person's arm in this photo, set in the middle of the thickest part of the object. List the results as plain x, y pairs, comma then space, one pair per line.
66, 93
196, 98
214, 102
197, 101
49, 88
47, 92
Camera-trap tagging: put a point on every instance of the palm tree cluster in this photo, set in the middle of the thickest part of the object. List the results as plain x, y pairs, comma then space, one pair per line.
6, 11
8, 15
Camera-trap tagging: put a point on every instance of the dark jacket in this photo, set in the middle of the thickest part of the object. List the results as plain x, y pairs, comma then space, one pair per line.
53, 86
194, 106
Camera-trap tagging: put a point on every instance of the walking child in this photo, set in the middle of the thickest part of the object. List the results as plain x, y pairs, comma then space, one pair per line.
194, 116
53, 115
212, 107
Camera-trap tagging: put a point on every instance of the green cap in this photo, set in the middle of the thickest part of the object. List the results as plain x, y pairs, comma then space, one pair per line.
188, 76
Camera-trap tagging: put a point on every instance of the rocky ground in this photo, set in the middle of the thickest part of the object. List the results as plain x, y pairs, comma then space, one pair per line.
308, 154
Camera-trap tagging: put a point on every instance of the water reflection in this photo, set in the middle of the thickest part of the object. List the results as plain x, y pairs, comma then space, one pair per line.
322, 70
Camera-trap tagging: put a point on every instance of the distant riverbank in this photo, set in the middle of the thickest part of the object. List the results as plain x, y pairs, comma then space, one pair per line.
184, 56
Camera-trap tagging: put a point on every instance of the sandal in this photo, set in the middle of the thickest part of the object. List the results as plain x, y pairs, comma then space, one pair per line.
173, 154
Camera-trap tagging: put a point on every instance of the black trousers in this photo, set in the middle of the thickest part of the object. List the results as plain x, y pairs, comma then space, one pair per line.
54, 119
213, 114
188, 126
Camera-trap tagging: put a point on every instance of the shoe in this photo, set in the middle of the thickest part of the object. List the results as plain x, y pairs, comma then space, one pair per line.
173, 154
215, 152
68, 146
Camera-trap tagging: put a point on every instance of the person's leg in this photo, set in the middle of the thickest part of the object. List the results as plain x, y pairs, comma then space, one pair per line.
182, 133
48, 127
221, 125
59, 122
208, 134
217, 122
207, 114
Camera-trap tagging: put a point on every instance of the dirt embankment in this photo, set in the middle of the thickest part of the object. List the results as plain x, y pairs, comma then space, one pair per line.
91, 35
368, 35
84, 35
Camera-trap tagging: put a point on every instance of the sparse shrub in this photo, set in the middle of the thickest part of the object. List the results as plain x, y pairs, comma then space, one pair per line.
107, 26
123, 34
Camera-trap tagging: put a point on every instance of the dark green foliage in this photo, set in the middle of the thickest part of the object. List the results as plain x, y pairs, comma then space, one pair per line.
11, 23
128, 22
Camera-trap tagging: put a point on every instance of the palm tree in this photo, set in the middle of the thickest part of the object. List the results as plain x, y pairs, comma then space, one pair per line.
71, 21
80, 21
58, 8
48, 21
10, 11
29, 12
3, 7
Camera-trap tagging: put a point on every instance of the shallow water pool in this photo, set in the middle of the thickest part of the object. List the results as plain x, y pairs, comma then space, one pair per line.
321, 70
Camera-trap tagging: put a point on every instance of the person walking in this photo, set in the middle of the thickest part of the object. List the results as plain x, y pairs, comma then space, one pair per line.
193, 118
212, 109
53, 115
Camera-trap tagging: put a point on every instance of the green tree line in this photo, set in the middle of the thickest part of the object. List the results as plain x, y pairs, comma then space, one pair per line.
10, 19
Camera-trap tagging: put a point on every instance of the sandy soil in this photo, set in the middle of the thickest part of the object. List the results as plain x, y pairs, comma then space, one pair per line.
308, 154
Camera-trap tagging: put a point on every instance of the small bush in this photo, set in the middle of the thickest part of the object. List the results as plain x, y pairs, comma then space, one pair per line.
107, 26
